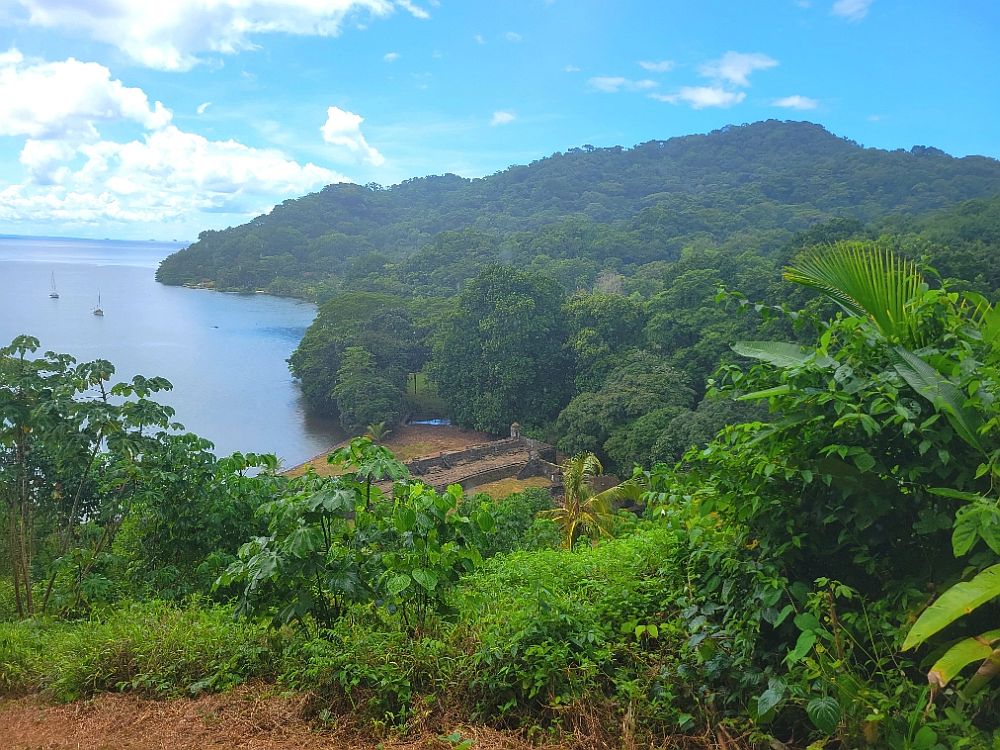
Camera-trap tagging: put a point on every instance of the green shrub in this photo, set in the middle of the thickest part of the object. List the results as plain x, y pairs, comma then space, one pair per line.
548, 624
513, 519
153, 648
379, 672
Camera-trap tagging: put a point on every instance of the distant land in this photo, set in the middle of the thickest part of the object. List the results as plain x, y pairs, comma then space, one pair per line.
587, 210
61, 238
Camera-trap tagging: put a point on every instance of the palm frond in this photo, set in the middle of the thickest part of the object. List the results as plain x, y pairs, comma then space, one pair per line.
629, 491
867, 280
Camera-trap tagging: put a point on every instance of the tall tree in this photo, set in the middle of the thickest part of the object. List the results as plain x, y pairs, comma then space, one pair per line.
502, 358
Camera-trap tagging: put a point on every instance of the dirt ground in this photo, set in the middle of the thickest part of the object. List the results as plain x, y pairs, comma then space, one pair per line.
409, 442
250, 718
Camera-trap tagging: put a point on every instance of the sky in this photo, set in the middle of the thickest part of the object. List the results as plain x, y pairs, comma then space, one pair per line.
157, 119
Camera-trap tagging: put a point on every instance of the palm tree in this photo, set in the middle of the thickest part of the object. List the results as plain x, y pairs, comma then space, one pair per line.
378, 432
585, 511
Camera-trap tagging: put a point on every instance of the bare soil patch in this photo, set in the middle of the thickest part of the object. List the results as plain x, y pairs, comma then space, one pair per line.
249, 718
408, 442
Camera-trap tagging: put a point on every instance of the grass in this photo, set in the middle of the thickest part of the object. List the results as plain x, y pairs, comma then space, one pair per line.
506, 487
153, 648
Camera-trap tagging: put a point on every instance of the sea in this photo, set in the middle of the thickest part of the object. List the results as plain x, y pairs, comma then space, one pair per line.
225, 354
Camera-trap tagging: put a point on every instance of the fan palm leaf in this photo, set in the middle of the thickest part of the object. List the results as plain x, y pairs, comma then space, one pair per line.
867, 280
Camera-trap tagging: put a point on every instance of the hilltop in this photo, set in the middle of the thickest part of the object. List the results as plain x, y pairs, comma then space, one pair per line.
610, 208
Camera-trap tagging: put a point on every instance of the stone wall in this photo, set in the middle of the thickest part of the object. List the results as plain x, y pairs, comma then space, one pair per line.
449, 459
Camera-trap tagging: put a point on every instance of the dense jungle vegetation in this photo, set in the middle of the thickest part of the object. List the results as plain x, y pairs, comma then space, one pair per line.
612, 328
798, 387
826, 573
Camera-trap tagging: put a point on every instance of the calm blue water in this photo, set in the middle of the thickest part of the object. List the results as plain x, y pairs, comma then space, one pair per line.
225, 354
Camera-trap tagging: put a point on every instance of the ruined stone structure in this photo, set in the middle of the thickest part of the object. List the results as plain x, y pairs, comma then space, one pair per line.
488, 462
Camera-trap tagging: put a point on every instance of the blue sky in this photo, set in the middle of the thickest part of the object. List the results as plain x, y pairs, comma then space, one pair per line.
160, 118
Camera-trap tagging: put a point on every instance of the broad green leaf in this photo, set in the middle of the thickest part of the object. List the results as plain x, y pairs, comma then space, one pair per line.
425, 578
925, 739
966, 531
803, 646
940, 391
485, 521
824, 713
771, 697
960, 655
303, 541
959, 600
399, 584
780, 354
778, 390
405, 519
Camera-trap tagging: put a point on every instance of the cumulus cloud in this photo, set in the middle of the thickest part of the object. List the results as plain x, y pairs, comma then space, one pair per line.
173, 34
851, 10
571, 69
663, 66
500, 117
614, 84
796, 102
700, 97
166, 175
735, 67
390, 57
343, 129
73, 175
66, 99
203, 107
512, 36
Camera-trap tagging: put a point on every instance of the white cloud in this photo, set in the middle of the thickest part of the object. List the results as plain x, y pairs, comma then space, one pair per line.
167, 175
203, 107
735, 67
66, 99
170, 35
571, 69
390, 57
73, 176
662, 66
512, 36
614, 84
851, 10
480, 39
500, 117
414, 10
796, 102
700, 97
343, 129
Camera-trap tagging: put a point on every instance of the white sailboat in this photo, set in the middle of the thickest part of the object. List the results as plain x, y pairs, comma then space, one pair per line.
98, 310
54, 294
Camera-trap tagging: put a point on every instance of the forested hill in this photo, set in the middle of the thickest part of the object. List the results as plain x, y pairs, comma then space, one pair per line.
610, 208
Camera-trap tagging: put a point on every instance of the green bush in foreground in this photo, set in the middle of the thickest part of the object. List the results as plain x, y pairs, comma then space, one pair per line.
152, 647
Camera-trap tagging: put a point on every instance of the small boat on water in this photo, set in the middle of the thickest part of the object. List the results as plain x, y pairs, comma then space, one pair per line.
54, 294
98, 310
